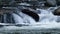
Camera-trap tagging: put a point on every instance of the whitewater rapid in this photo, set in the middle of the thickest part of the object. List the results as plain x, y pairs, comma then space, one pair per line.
47, 20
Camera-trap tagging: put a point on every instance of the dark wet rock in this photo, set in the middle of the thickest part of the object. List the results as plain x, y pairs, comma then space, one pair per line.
50, 3
32, 14
57, 12
6, 2
58, 2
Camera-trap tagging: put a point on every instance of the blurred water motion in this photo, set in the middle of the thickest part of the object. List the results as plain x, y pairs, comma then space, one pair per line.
29, 17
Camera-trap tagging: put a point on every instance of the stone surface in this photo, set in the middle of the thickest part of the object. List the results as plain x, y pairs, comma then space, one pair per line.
57, 12
32, 14
50, 3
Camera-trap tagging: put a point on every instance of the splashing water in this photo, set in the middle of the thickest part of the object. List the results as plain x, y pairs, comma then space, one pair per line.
47, 19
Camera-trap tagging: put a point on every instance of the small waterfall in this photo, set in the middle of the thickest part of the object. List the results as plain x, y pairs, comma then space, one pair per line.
23, 19
45, 17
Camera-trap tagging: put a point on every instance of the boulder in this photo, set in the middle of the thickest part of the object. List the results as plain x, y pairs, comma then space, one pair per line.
58, 2
32, 14
57, 12
50, 3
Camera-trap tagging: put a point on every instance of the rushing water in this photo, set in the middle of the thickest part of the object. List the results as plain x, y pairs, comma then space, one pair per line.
46, 18
25, 24
46, 24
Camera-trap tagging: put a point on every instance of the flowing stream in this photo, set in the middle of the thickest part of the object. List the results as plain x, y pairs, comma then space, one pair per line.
46, 19
25, 23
